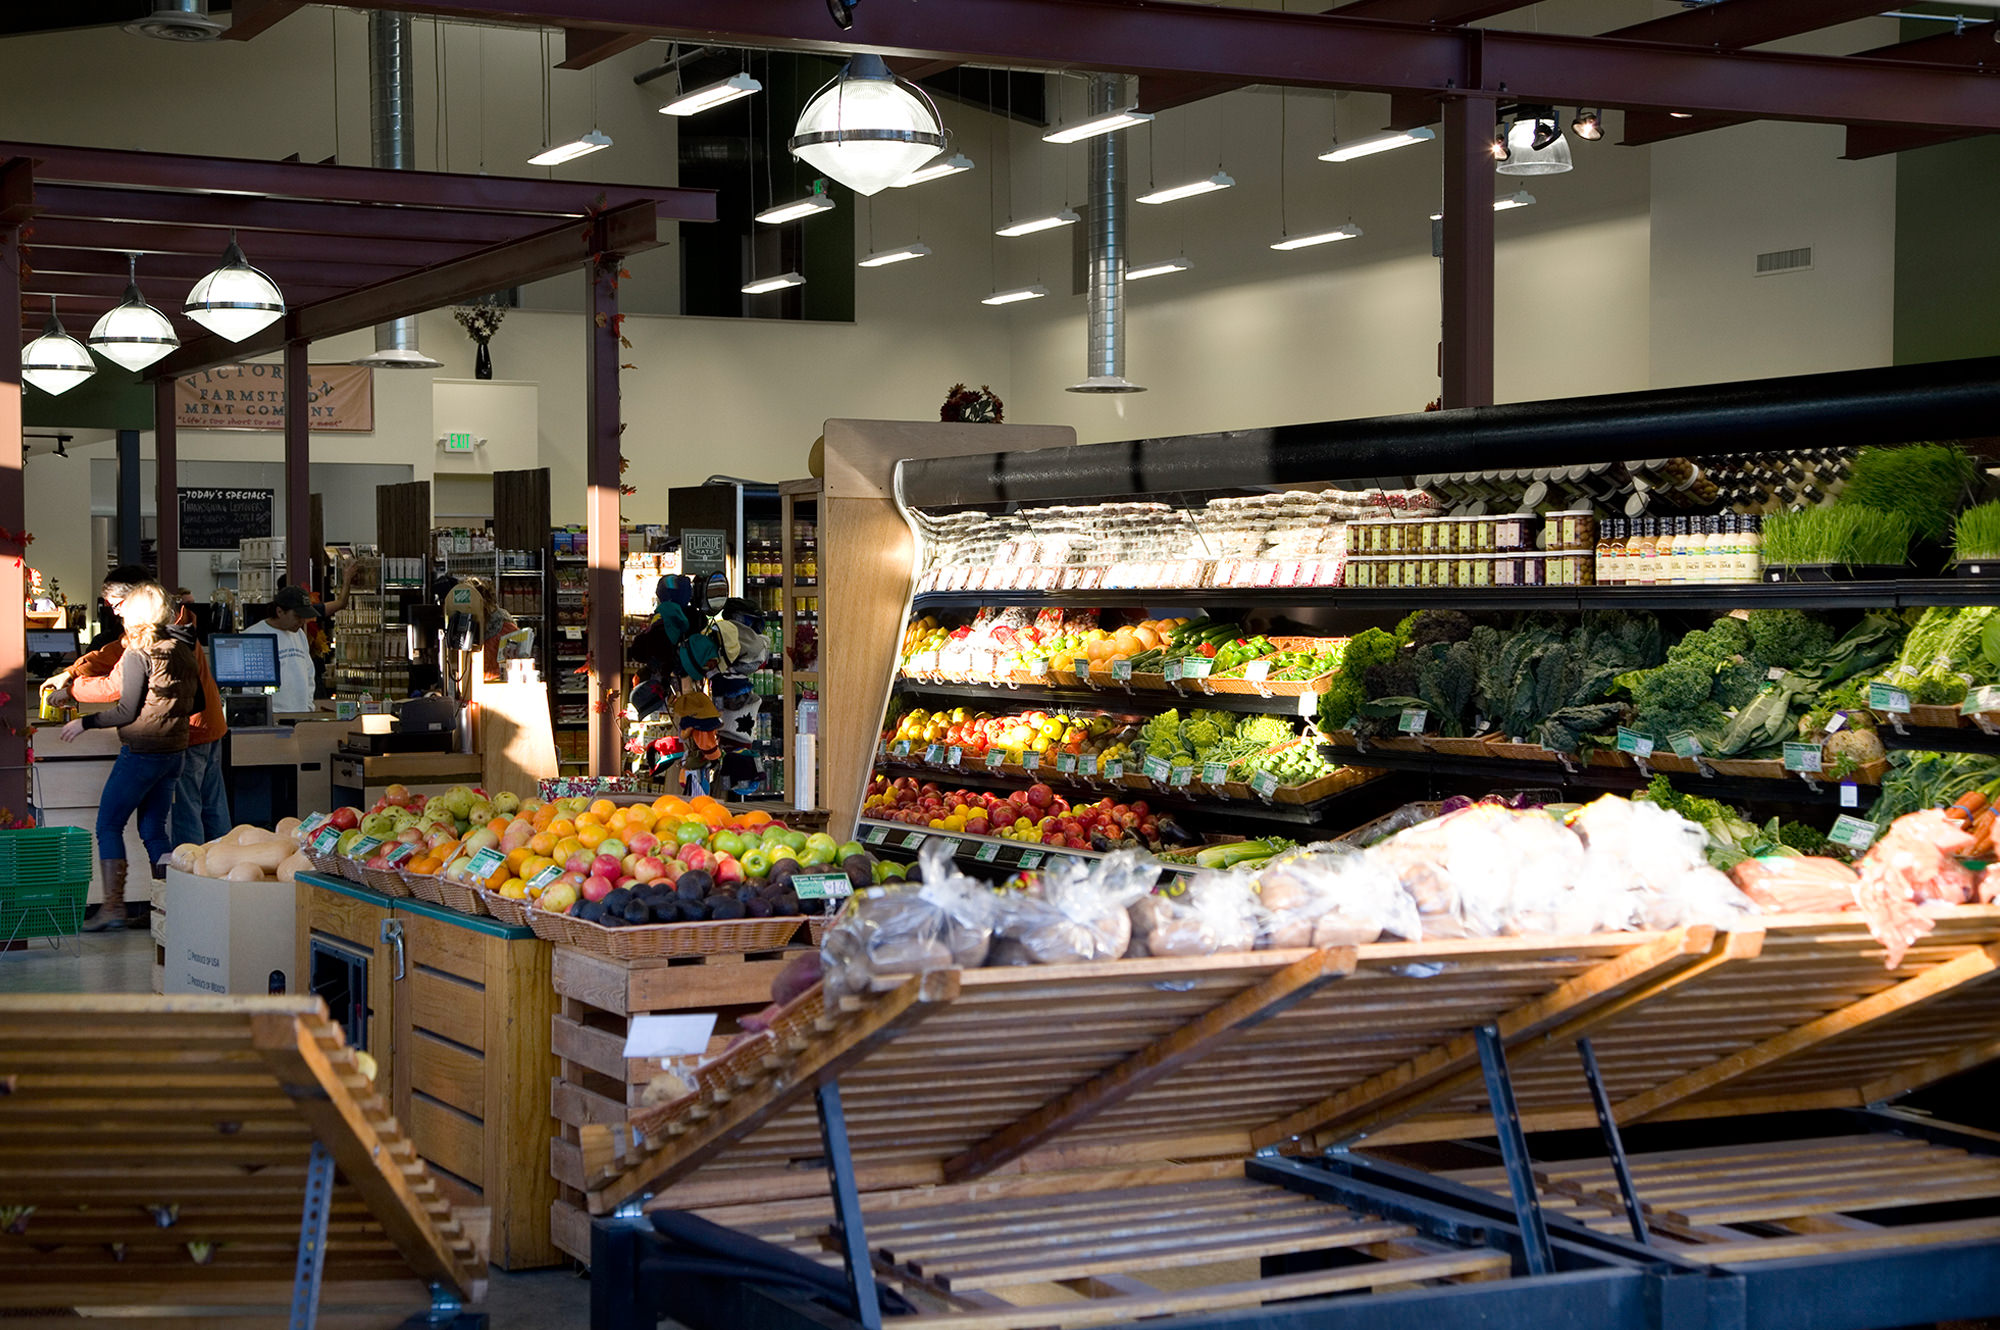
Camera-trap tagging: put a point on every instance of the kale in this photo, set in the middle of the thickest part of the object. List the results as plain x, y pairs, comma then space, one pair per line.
1787, 638
1392, 678
1433, 627
1727, 636
1577, 729
1736, 682
1337, 704
1447, 677
1373, 647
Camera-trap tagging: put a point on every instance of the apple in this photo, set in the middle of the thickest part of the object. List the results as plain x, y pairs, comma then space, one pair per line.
558, 898
410, 836
346, 819
849, 850
614, 847
579, 862
606, 865
596, 887
642, 842
506, 803
648, 869
756, 863
694, 856
726, 842
978, 826
785, 852
727, 869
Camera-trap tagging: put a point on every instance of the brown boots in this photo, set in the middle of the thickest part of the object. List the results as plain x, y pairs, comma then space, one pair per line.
111, 914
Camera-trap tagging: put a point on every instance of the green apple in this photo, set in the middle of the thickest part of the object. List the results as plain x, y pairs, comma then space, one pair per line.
727, 842
796, 839
818, 850
755, 863
777, 852
849, 850
690, 832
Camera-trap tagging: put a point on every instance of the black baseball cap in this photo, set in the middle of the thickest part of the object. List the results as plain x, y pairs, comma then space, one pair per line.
294, 599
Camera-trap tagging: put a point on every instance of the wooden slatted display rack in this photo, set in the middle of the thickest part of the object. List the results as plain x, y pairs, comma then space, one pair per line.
1018, 1141
160, 1157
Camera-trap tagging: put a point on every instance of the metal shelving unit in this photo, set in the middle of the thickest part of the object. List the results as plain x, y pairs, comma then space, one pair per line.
372, 644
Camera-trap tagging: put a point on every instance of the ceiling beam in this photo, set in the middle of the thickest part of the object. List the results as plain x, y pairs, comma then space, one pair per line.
1865, 141
50, 259
210, 241
584, 47
1644, 127
166, 293
1441, 13
256, 214
630, 229
351, 184
1155, 37
1735, 24
17, 191
1973, 45
251, 18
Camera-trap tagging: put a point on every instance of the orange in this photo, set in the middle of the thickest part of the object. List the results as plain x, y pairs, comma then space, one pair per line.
603, 808
515, 858
641, 815
498, 826
715, 818
756, 818
542, 842
591, 835
565, 847
669, 803
561, 827
424, 864
704, 802
543, 816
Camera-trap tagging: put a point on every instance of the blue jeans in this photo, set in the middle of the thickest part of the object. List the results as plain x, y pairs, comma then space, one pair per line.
141, 781
201, 805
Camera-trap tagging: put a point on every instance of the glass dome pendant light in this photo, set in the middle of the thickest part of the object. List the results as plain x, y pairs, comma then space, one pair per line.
1535, 144
235, 300
133, 334
867, 128
55, 362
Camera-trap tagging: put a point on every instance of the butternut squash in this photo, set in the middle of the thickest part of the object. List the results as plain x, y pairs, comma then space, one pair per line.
287, 827
185, 857
247, 872
223, 859
289, 870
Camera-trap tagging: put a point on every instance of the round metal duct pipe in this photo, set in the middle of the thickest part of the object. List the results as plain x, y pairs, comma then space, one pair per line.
392, 143
1104, 325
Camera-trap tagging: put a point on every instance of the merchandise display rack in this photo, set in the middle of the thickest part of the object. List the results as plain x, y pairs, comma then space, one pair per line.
371, 634
798, 587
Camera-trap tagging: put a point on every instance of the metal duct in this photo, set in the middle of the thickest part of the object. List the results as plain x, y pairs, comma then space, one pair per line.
392, 143
1104, 328
178, 21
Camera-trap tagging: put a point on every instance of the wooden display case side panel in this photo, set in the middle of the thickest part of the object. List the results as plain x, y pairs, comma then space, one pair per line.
521, 1006
865, 580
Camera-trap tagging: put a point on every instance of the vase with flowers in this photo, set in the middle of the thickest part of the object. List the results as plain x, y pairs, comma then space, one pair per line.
480, 322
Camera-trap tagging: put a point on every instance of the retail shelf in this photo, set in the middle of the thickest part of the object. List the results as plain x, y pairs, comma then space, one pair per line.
1115, 699
1210, 806
900, 841
1914, 594
1924, 740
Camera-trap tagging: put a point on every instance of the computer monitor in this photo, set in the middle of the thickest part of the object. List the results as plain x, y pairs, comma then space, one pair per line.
244, 660
59, 644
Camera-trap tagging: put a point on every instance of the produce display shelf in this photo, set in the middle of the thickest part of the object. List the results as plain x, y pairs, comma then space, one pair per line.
896, 840
1914, 593
1528, 772
1210, 806
1114, 699
1933, 740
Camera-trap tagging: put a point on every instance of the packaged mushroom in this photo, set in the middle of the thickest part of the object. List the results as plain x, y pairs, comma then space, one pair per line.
944, 923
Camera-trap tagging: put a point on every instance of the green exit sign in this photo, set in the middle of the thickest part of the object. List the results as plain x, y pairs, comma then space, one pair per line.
458, 443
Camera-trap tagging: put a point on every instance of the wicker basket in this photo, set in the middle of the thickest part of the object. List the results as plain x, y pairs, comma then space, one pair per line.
551, 927
425, 888
1278, 688
460, 896
504, 908
642, 942
385, 880
351, 870
1334, 782
327, 865
1764, 768
1480, 746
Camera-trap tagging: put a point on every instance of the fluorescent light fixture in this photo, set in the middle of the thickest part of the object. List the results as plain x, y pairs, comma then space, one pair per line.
937, 170
1034, 224
778, 283
1220, 180
1520, 198
595, 141
1108, 123
733, 88
797, 208
882, 258
1015, 296
1374, 143
1347, 232
1142, 270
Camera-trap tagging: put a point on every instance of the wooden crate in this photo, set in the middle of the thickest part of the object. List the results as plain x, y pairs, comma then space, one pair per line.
595, 1083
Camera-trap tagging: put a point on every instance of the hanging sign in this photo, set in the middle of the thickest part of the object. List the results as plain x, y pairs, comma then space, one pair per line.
339, 399
214, 519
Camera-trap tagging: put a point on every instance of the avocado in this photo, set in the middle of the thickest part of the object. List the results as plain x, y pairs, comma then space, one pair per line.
636, 912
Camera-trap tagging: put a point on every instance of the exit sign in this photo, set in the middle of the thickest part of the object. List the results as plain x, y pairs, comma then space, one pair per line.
459, 443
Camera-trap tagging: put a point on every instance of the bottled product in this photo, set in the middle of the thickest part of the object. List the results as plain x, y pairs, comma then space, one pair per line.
1649, 552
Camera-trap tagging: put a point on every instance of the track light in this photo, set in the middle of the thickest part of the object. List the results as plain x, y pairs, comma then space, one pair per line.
1220, 180
1108, 123
1546, 129
1374, 143
733, 88
937, 170
842, 13
1347, 232
1588, 125
1015, 296
1033, 224
1143, 270
1500, 151
882, 258
778, 283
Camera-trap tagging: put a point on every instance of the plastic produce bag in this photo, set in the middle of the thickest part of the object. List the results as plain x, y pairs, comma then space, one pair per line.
1797, 884
1333, 896
943, 924
1076, 911
1217, 912
1467, 870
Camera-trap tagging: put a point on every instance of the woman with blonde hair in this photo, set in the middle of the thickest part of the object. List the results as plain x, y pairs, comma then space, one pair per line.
159, 689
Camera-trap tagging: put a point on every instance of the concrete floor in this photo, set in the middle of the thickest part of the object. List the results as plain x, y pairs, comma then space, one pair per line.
123, 963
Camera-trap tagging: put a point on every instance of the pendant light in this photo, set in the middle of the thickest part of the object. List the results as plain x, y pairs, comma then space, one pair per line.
133, 334
1536, 144
867, 128
55, 362
235, 300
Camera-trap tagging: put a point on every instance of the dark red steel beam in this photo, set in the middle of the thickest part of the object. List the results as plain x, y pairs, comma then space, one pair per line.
166, 484
252, 214
584, 47
298, 463
250, 18
1413, 112
352, 184
560, 249
210, 241
1865, 141
165, 292
1643, 127
1156, 37
923, 69
1442, 13
1734, 24
603, 433
50, 259
1466, 357
1972, 45
17, 191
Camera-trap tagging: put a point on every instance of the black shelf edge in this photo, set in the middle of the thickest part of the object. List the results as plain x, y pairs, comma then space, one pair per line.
1116, 698
1932, 740
1915, 593
1501, 771
902, 842
1208, 805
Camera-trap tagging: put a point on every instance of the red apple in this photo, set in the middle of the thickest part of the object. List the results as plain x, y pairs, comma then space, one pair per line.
648, 869
596, 887
695, 856
1040, 795
606, 866
410, 836
727, 869
642, 842
578, 863
347, 819
628, 882
977, 826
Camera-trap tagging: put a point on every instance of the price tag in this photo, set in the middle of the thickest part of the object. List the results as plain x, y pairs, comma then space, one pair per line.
1196, 667
1031, 760
1856, 834
1121, 671
822, 886
996, 757
1836, 722
401, 855
484, 865
327, 841
1412, 720
1633, 742
1775, 673
311, 827
950, 847
1171, 671
934, 755
1257, 671
1086, 764
1850, 794
1066, 762
1684, 744
987, 853
1214, 773
1038, 669
371, 707
954, 755
1881, 697
1114, 769
1980, 699
924, 662
345, 710
543, 878
1031, 859
364, 847
1264, 784
1082, 665
912, 839
875, 835
1156, 768
901, 748
1802, 758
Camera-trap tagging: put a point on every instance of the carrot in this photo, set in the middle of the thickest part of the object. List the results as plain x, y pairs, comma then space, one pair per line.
1972, 801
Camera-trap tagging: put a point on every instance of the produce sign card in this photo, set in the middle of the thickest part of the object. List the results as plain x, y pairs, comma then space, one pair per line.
1855, 833
1181, 776
901, 748
1684, 744
954, 755
683, 1035
1121, 671
1038, 669
950, 847
1196, 667
1214, 773
1802, 758
912, 839
875, 835
1264, 784
934, 755
1257, 671
326, 841
1171, 671
1635, 743
1032, 761
1031, 859
401, 855
1980, 699
484, 865
1156, 768
996, 757
364, 847
986, 853
1066, 762
1082, 669
822, 886
311, 827
1881, 697
543, 878
1087, 763
1114, 770
1412, 720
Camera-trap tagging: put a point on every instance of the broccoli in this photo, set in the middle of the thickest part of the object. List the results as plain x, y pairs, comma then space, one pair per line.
1338, 704
1787, 637
1266, 729
1802, 838
1200, 735
1373, 647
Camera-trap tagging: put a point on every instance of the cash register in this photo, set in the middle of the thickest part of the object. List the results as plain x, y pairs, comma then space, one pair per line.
50, 652
246, 672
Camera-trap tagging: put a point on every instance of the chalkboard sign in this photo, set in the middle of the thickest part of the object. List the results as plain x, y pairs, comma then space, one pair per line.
222, 519
702, 552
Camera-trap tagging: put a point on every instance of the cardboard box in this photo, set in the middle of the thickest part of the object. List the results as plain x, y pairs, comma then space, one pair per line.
228, 937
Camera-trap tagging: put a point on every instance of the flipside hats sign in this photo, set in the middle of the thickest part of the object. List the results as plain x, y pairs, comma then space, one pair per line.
340, 398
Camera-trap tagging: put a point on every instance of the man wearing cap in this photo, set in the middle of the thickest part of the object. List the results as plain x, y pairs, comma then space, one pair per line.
291, 610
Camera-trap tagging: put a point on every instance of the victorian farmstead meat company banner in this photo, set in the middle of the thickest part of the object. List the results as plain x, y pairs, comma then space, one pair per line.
340, 397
